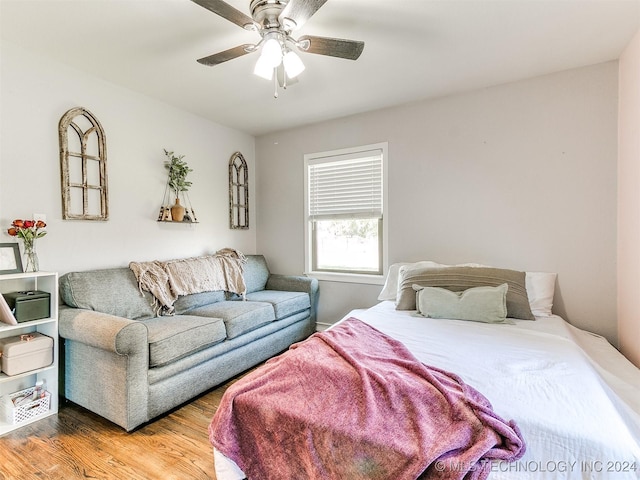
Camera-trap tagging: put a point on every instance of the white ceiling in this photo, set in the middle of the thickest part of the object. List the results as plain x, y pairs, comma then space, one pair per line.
414, 49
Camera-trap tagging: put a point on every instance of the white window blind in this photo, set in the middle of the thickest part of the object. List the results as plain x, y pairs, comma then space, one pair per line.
346, 186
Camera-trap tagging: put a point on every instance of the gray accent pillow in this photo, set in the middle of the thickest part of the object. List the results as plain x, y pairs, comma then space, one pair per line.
477, 304
458, 279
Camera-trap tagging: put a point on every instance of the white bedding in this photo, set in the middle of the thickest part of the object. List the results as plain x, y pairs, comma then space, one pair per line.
574, 397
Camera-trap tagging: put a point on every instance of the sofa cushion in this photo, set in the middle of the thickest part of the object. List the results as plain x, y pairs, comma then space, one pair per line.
174, 337
239, 317
256, 273
195, 300
114, 291
284, 303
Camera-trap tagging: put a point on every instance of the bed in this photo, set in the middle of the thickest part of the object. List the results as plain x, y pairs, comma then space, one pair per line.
574, 398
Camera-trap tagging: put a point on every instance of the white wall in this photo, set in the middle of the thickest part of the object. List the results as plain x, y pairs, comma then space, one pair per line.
36, 92
519, 176
629, 203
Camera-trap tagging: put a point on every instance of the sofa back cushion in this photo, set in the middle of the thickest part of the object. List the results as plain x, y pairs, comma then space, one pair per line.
256, 273
185, 303
114, 291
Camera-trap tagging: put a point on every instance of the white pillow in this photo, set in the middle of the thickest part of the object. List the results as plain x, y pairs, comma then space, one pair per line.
540, 290
390, 288
540, 285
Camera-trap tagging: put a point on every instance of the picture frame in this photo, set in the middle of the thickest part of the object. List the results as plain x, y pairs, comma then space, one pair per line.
10, 261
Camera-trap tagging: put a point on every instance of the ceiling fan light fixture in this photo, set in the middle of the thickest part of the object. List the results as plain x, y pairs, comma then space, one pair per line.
272, 52
292, 64
263, 68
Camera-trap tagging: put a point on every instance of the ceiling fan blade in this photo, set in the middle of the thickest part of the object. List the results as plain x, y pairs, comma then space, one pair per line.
230, 54
300, 11
334, 47
226, 11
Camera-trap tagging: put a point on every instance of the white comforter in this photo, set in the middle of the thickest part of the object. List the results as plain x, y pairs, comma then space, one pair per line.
574, 397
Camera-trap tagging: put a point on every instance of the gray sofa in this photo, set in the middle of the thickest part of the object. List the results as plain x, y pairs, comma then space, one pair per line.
128, 365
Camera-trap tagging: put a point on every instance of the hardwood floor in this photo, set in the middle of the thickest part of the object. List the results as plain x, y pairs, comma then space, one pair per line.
79, 444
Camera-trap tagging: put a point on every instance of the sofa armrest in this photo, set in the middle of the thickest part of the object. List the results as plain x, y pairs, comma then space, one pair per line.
106, 363
101, 330
295, 283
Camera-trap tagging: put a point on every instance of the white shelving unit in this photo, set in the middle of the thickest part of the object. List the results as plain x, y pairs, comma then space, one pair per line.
48, 282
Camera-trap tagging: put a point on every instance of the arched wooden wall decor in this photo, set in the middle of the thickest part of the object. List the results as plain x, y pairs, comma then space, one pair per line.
238, 192
83, 166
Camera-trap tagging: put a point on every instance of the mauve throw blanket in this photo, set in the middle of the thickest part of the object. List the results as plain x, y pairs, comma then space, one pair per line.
353, 403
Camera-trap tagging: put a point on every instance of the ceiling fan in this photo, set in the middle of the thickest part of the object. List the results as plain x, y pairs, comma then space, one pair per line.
275, 20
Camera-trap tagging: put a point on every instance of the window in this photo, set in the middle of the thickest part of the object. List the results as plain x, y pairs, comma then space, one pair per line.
345, 227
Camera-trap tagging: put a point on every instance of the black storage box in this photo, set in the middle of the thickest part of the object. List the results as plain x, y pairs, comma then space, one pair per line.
29, 305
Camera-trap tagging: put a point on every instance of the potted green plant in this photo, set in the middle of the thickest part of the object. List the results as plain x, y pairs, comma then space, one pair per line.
178, 171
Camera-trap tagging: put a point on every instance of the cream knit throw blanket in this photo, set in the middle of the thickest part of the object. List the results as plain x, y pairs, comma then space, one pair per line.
166, 281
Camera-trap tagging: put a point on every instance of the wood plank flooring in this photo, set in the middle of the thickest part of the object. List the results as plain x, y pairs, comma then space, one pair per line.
76, 443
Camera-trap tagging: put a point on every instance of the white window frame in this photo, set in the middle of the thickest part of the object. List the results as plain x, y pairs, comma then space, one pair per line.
375, 279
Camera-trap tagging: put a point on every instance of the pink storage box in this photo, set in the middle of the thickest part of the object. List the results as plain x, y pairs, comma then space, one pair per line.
26, 352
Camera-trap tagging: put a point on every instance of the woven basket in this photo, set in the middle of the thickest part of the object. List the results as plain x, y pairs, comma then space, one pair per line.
26, 411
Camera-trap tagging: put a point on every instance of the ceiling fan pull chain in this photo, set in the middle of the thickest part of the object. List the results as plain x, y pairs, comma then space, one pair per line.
275, 83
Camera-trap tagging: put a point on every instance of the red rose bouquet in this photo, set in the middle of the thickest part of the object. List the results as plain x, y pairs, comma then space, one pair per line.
28, 231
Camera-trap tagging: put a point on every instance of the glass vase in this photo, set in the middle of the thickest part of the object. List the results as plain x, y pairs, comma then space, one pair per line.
30, 258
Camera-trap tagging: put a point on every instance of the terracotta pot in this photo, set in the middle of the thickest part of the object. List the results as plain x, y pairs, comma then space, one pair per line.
177, 211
